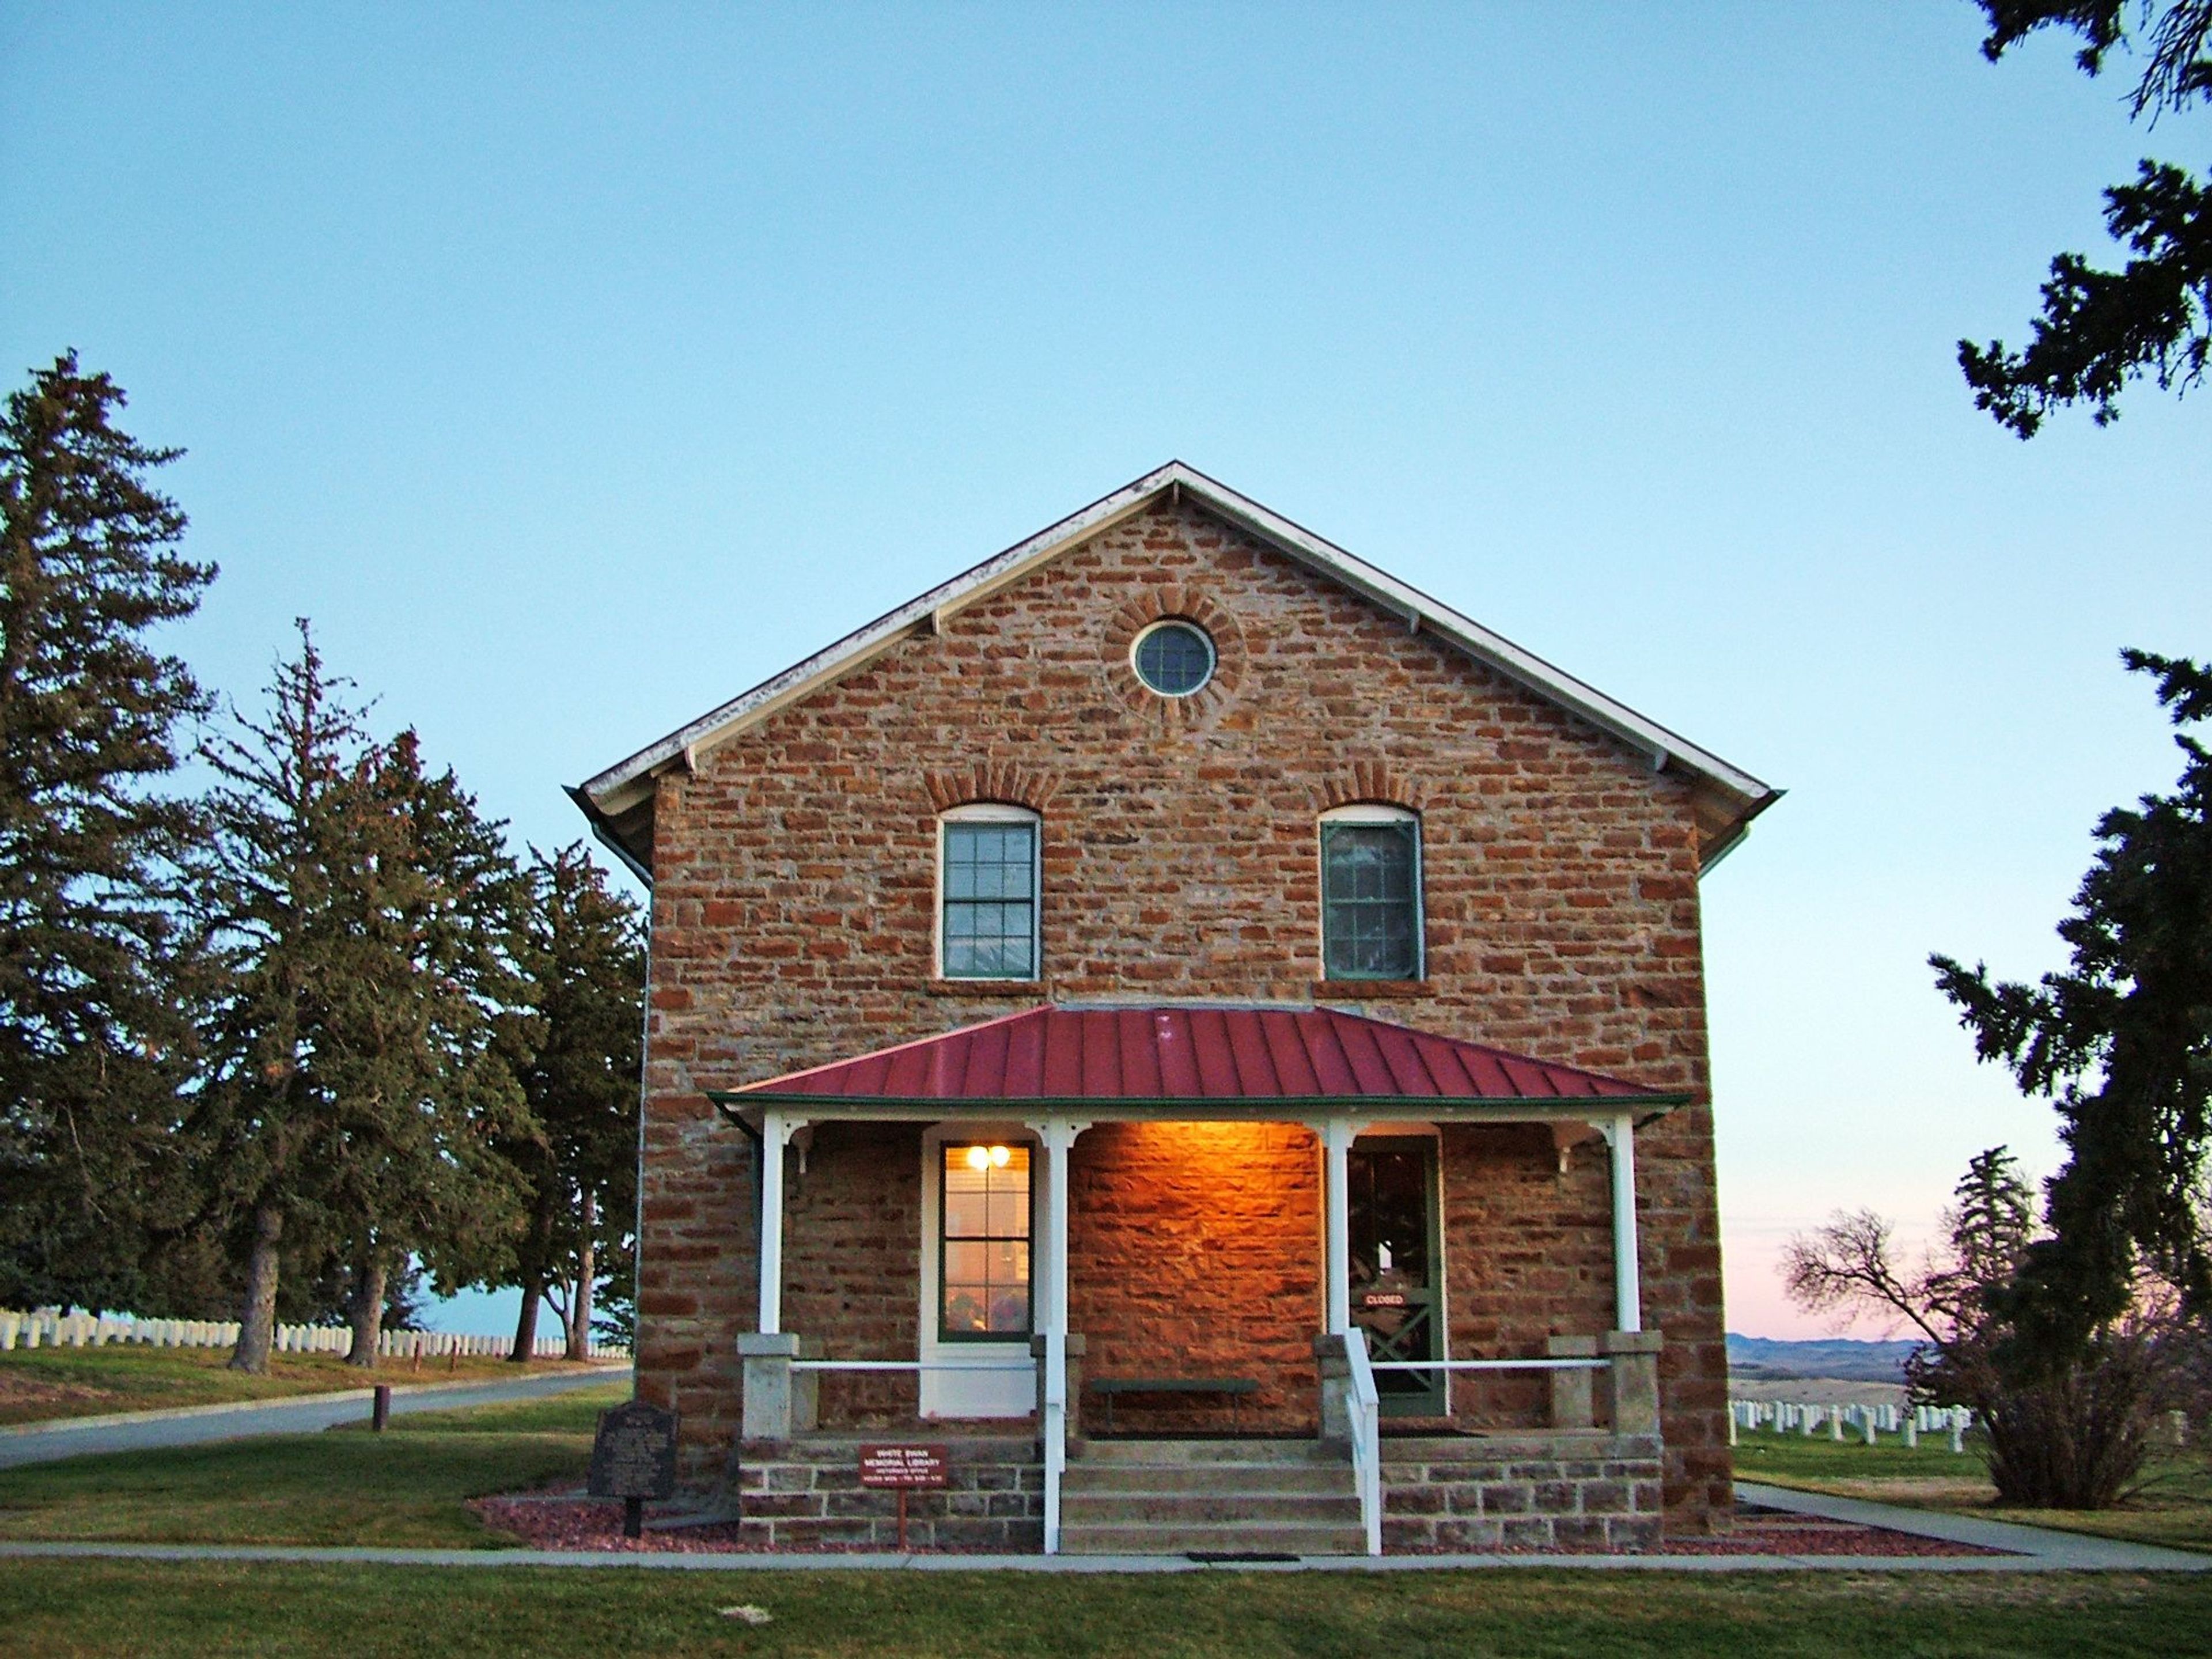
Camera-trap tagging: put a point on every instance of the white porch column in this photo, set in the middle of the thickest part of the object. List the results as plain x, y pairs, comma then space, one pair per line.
1057, 1136
1619, 1134
773, 1133
1336, 1136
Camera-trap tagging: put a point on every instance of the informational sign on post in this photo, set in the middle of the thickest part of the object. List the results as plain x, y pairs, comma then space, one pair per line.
902, 1469
634, 1458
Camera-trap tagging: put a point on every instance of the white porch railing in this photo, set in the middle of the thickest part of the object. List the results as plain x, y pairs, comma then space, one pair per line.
913, 1364
1577, 1364
1364, 1407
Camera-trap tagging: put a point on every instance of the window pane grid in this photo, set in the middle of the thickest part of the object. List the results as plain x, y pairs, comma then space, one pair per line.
1174, 660
990, 901
985, 1227
1370, 909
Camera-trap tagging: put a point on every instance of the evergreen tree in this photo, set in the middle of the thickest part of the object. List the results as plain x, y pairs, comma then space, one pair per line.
581, 1009
361, 909
2101, 328
92, 1045
422, 1178
2121, 1040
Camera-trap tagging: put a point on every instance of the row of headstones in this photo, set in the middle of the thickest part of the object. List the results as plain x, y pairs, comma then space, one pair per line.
50, 1328
1864, 1422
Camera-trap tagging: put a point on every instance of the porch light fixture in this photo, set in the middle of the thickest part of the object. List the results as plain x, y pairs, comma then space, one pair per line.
988, 1157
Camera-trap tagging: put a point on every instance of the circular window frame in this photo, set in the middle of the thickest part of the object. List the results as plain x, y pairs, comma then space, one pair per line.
1189, 626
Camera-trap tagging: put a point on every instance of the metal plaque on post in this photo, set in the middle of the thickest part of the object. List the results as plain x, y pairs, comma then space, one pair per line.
634, 1458
903, 1469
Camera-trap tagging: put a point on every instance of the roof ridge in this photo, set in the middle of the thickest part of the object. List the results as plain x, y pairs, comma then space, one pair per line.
615, 791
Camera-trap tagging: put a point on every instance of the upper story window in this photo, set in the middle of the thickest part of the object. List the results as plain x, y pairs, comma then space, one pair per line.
987, 893
1174, 658
1371, 893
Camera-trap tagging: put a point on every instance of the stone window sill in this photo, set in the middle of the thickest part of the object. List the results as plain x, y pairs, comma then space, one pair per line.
1033, 990
1360, 990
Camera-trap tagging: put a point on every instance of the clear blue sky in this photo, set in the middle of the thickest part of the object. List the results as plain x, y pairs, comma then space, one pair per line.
574, 369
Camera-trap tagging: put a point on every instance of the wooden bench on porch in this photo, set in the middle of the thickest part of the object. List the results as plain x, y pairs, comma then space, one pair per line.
1234, 1387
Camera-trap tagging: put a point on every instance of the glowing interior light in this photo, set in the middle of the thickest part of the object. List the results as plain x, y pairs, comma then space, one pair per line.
979, 1157
999, 1157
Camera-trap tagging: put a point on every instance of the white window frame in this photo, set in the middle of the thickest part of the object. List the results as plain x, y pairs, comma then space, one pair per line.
1369, 813
1206, 636
970, 1394
992, 812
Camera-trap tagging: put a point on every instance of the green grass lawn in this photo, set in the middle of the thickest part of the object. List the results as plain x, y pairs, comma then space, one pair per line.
2172, 1506
407, 1485
95, 1609
37, 1384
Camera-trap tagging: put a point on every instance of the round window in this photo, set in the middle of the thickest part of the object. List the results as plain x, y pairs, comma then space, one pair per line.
1175, 658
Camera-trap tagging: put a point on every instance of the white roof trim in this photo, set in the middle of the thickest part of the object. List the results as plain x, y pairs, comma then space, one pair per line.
619, 785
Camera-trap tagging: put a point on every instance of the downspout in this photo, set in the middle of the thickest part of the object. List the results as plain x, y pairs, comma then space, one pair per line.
760, 1172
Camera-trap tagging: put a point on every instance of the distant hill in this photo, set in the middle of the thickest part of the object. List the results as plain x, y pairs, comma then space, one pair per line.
1837, 1356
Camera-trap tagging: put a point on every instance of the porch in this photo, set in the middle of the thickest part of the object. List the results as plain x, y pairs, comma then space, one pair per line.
1336, 1326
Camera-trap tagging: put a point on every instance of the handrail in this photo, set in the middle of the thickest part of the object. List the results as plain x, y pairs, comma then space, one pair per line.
1576, 1364
1366, 1413
913, 1364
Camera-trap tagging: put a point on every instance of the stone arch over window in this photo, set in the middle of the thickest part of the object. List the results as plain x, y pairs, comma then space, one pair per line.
1371, 911
1172, 602
1369, 783
1009, 783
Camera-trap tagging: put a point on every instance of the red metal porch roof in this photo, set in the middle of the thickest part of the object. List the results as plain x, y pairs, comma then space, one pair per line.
1192, 1053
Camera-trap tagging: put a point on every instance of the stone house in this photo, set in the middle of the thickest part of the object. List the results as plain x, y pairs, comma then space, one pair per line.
1205, 1033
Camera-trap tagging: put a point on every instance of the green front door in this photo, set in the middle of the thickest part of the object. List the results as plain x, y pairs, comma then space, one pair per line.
1397, 1269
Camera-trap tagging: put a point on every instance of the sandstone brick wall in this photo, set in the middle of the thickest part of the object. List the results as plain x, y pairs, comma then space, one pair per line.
794, 879
1192, 1252
810, 1497
1451, 1495
852, 1261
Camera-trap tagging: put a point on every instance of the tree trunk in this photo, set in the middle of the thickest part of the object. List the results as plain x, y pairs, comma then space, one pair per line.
526, 1322
257, 1324
580, 1305
366, 1310
534, 1262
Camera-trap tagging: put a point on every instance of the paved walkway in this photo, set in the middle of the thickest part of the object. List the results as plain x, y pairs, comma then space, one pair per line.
44, 1443
2032, 1549
2046, 1546
2037, 1550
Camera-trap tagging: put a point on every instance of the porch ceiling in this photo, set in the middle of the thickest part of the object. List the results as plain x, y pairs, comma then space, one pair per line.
1185, 1062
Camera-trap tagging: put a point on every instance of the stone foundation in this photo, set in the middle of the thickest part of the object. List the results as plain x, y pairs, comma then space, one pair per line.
1596, 1492
807, 1495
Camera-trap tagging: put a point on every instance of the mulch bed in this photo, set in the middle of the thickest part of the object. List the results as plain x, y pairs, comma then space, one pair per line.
576, 1523
582, 1523
1778, 1532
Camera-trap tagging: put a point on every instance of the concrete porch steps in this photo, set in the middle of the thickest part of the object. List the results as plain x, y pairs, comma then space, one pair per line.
1228, 1496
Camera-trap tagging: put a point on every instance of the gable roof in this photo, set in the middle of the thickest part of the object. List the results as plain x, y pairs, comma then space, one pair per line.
618, 800
1181, 1056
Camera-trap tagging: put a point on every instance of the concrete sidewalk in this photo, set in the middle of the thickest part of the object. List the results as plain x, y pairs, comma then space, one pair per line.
193, 1425
2033, 1549
2069, 1551
1051, 1563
